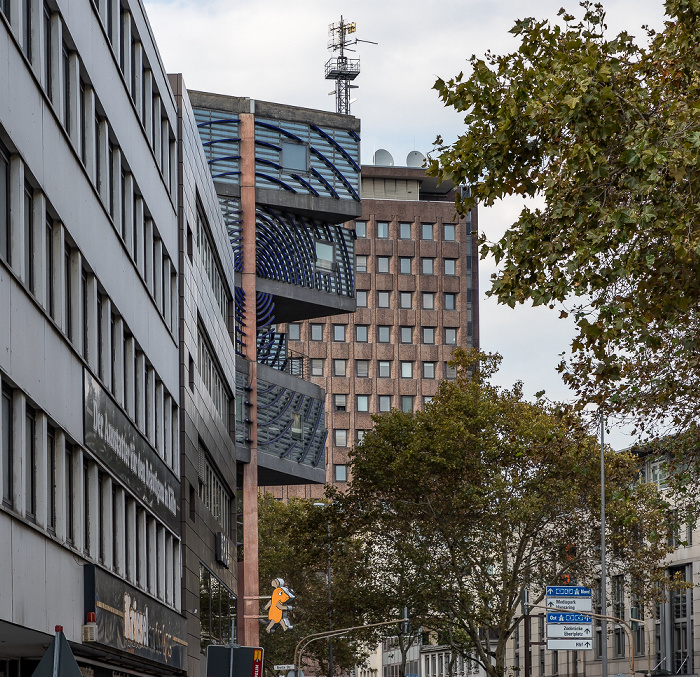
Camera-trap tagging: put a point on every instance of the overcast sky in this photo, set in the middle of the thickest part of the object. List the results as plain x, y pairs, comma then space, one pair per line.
275, 50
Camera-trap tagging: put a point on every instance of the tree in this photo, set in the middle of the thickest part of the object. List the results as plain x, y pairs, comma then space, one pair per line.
492, 495
606, 131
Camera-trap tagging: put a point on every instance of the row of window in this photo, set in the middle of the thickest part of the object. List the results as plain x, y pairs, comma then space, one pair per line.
212, 379
56, 485
384, 299
383, 333
211, 264
217, 610
449, 230
427, 265
213, 493
383, 370
438, 665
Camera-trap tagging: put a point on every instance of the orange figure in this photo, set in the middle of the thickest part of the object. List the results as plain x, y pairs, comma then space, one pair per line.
278, 606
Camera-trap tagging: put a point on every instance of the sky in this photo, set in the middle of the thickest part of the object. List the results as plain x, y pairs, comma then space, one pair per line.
275, 50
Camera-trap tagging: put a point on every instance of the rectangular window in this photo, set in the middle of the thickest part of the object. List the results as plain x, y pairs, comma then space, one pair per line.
27, 21
316, 367
30, 463
428, 300
383, 299
382, 264
213, 493
317, 332
427, 399
404, 231
361, 228
405, 265
363, 403
340, 402
382, 230
407, 403
450, 301
341, 437
51, 479
339, 332
383, 334
217, 615
210, 262
67, 294
428, 369
450, 267
340, 472
4, 205
427, 266
361, 299
384, 403
29, 236
406, 299
66, 89
83, 124
359, 434
450, 336
406, 334
360, 264
68, 496
361, 333
47, 52
294, 156
86, 507
5, 8
449, 232
450, 372
7, 456
384, 369
362, 368
428, 335
339, 367
211, 378
406, 369
426, 232
294, 332
49, 267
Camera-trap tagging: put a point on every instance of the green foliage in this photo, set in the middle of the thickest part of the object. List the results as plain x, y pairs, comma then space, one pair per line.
607, 131
482, 494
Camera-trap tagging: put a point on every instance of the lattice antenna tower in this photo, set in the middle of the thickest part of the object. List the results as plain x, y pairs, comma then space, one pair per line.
341, 68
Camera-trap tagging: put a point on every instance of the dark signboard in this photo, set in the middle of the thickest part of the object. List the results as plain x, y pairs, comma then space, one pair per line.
133, 622
110, 434
234, 661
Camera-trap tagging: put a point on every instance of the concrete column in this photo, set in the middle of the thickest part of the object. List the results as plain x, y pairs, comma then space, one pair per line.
117, 190
61, 489
128, 207
174, 300
103, 170
106, 347
141, 391
118, 338
57, 64
74, 103
17, 215
176, 438
148, 104
139, 235
119, 521
249, 628
19, 467
131, 554
90, 139
159, 401
173, 172
130, 376
107, 527
93, 497
93, 347
59, 276
76, 307
158, 273
41, 463
39, 238
151, 405
116, 29
126, 49
137, 92
148, 255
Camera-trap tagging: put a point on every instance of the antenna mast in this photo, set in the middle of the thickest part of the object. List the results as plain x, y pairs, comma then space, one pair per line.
340, 68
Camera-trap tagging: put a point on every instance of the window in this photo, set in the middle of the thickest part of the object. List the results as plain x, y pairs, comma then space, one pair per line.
450, 301
384, 369
426, 232
27, 22
68, 295
618, 590
217, 610
450, 336
294, 332
211, 378
361, 228
384, 403
30, 461
383, 298
363, 403
316, 367
68, 497
4, 206
317, 332
383, 334
383, 230
362, 368
406, 369
341, 437
340, 472
340, 402
450, 267
210, 262
7, 455
405, 265
404, 231
360, 264
448, 232
382, 264
325, 255
339, 367
428, 369
428, 300
406, 299
66, 89
427, 266
407, 403
427, 399
51, 479
29, 237
361, 333
294, 156
359, 435
339, 332
361, 299
450, 372
428, 335
49, 269
406, 334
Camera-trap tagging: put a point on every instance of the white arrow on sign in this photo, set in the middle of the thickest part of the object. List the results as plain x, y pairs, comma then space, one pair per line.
569, 644
570, 603
569, 631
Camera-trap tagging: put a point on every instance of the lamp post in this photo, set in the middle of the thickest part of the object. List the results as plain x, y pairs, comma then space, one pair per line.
603, 582
323, 506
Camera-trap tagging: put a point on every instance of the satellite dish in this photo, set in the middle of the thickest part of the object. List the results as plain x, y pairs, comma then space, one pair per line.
382, 158
415, 159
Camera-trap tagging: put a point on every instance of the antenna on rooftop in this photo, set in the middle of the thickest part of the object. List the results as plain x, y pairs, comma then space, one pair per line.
340, 68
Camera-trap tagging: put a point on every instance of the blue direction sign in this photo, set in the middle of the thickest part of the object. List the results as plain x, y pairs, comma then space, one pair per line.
568, 591
556, 617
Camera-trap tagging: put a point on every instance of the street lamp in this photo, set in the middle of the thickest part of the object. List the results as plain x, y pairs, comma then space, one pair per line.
323, 506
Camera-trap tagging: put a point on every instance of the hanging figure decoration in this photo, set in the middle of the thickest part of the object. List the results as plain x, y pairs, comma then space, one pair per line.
277, 607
